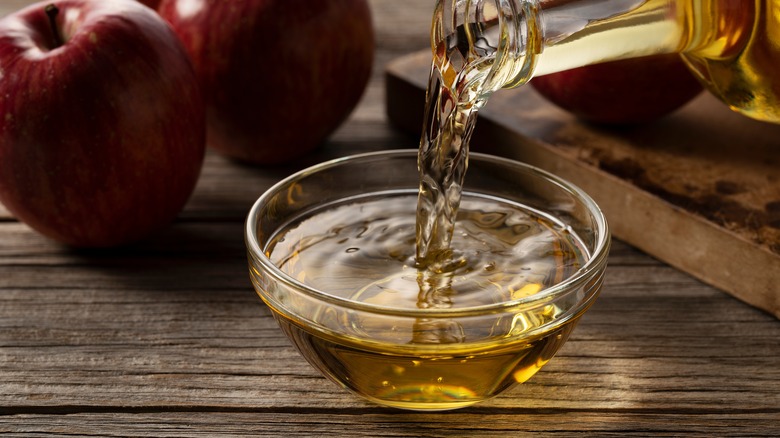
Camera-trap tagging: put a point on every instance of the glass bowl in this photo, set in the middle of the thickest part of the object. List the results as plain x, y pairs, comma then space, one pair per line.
331, 253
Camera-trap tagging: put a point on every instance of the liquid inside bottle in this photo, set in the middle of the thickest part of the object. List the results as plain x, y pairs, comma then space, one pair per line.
733, 46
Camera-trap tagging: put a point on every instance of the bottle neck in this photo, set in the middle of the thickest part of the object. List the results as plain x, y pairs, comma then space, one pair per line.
480, 46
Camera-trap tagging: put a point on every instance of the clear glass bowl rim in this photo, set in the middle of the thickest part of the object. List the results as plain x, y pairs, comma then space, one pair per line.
573, 283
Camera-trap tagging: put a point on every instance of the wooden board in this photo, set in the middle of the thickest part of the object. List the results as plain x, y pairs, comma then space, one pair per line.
699, 189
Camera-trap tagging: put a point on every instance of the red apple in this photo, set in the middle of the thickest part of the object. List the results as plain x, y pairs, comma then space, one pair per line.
102, 129
278, 76
622, 92
151, 3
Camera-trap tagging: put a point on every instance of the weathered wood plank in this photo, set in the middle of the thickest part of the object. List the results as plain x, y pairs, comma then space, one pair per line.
473, 422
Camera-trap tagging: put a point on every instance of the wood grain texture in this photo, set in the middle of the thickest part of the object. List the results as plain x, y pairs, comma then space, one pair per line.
329, 423
167, 337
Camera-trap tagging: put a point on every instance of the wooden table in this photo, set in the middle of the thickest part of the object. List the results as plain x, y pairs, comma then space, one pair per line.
167, 338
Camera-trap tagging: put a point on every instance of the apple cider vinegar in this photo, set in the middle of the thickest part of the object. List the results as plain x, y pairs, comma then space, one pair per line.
734, 47
364, 250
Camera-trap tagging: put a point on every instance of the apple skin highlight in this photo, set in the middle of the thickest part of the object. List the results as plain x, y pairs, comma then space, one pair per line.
102, 137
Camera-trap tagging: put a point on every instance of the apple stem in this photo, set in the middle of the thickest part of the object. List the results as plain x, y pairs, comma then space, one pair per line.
52, 11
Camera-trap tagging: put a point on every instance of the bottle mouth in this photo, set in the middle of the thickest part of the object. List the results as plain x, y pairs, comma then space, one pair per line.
590, 273
482, 46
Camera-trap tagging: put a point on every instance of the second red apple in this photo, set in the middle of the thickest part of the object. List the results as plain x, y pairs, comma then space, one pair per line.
622, 92
278, 76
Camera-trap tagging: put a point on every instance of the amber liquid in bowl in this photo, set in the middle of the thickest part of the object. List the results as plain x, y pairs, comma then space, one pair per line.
363, 250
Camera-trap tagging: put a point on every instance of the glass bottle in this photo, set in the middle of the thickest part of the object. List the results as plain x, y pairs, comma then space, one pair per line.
733, 46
